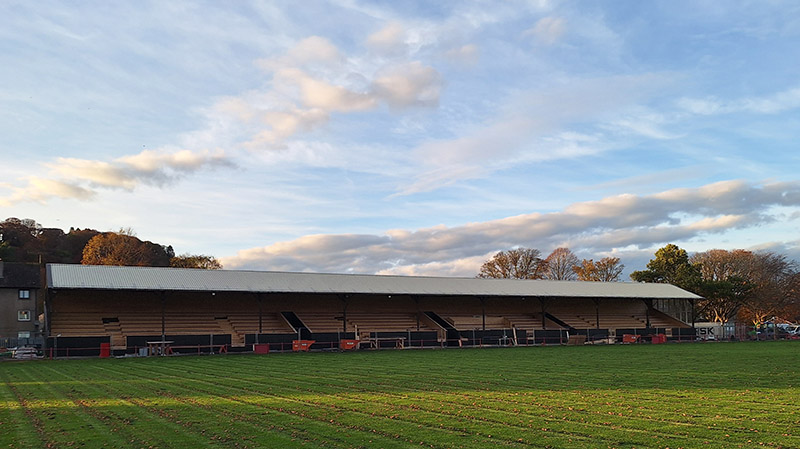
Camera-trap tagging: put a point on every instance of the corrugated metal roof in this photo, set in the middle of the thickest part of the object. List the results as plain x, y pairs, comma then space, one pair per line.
97, 277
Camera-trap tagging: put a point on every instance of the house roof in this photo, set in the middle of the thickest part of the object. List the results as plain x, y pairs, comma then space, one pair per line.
97, 277
19, 275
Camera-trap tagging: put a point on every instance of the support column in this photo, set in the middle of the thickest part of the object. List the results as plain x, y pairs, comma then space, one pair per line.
416, 301
163, 320
344, 298
597, 312
483, 313
544, 319
260, 313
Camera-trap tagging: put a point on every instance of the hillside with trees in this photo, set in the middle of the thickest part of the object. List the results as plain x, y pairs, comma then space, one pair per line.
27, 241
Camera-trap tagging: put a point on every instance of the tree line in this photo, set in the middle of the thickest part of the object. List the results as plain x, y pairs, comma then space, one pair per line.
25, 240
561, 265
734, 285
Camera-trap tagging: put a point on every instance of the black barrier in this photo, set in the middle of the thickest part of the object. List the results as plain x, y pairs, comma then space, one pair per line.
138, 341
592, 335
401, 339
682, 334
492, 337
277, 339
75, 346
641, 331
549, 337
329, 340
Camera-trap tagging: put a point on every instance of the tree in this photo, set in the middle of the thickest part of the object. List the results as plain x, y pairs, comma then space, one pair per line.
27, 241
195, 261
725, 282
75, 242
607, 269
519, 263
775, 285
120, 248
18, 240
670, 266
560, 265
722, 299
753, 286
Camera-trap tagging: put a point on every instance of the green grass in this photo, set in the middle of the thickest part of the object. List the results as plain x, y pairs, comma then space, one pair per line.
703, 395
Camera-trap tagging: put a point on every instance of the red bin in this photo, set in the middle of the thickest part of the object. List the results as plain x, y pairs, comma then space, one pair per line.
345, 344
302, 345
105, 350
630, 338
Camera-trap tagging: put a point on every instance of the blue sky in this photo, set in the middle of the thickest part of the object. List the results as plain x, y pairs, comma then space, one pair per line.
405, 137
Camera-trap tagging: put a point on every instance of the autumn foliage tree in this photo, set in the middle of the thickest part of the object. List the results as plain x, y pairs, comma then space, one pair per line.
607, 269
519, 263
195, 261
122, 248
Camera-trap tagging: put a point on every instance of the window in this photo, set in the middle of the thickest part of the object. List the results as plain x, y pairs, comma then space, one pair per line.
24, 334
23, 315
24, 294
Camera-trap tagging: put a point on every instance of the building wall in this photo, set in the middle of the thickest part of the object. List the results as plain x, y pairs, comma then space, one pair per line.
19, 290
18, 314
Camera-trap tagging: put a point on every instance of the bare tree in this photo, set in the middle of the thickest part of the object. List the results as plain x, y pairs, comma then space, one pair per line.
776, 283
753, 286
607, 269
519, 263
560, 265
725, 282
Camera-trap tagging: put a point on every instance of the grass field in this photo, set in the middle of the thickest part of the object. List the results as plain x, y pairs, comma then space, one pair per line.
692, 395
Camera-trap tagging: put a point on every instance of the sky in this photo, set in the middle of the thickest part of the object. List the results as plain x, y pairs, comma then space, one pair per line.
409, 138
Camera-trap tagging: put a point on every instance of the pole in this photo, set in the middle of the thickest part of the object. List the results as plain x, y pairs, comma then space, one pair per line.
260, 317
163, 320
483, 311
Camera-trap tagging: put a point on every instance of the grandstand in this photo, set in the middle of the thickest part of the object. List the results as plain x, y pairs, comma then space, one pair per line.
130, 307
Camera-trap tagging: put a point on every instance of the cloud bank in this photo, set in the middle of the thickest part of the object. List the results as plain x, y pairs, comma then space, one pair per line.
80, 179
606, 226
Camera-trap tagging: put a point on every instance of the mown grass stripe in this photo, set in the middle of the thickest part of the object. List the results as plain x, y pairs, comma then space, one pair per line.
17, 425
563, 397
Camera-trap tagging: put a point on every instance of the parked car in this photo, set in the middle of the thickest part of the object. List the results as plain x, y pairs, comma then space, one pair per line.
770, 334
792, 329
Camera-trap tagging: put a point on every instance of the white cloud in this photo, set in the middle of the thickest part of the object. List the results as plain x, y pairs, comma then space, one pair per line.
312, 81
605, 226
548, 30
79, 178
535, 127
768, 104
466, 54
41, 189
408, 85
389, 40
148, 167
313, 50
323, 95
